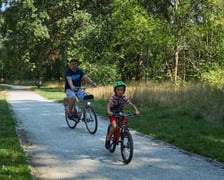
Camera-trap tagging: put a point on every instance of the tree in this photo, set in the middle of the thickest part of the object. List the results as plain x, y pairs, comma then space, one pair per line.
128, 27
188, 23
182, 38
41, 29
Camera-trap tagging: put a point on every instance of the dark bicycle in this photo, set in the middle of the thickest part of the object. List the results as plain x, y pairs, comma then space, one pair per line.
122, 136
83, 111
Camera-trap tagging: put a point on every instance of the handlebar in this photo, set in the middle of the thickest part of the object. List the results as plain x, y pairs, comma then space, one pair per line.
122, 114
83, 88
87, 96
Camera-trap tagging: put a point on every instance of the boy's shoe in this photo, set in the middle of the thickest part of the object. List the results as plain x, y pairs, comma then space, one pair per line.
107, 144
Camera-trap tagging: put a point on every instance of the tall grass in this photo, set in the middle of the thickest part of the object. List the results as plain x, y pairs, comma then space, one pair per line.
198, 100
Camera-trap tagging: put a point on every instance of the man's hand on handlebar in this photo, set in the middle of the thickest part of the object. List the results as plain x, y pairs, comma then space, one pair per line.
93, 84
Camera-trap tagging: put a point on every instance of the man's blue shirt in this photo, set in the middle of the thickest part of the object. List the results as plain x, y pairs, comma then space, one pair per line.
75, 76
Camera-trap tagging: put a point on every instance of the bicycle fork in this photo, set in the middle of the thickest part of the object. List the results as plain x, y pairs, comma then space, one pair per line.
118, 136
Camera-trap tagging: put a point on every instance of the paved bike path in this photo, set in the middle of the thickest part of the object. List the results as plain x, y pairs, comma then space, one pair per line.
56, 152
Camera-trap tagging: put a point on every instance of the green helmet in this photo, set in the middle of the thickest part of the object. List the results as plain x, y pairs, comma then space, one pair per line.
119, 83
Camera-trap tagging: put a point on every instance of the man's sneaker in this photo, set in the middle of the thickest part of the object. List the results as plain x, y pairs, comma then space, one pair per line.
75, 114
70, 116
107, 144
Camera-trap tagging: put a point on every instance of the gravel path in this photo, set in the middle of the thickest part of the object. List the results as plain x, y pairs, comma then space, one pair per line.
55, 151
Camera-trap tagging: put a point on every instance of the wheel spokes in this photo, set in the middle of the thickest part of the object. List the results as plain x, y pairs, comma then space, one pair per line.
91, 120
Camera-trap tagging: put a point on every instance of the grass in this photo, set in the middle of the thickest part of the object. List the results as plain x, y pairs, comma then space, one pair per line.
189, 117
12, 158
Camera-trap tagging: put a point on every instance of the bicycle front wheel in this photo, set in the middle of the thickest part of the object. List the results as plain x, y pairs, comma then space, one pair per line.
72, 123
90, 120
127, 147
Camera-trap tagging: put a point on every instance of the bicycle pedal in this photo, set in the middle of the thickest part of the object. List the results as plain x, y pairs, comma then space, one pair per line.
88, 120
83, 119
76, 120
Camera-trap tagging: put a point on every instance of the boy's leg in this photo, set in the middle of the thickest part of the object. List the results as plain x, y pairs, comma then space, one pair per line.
112, 130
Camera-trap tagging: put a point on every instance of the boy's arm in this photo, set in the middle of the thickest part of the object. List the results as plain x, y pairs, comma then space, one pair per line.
134, 108
108, 109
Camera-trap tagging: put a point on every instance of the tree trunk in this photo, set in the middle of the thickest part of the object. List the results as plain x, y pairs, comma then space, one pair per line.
138, 68
176, 59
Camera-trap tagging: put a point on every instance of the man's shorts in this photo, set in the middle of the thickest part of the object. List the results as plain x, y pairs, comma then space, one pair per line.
79, 94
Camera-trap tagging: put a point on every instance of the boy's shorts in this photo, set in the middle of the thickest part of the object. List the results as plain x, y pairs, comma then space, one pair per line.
79, 94
112, 118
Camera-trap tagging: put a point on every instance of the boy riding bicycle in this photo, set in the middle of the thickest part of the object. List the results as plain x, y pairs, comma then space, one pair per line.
115, 105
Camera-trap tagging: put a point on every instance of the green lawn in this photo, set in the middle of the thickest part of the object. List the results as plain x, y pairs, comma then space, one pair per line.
174, 126
12, 159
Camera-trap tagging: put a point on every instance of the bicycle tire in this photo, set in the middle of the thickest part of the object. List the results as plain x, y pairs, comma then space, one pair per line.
90, 120
71, 123
127, 146
112, 141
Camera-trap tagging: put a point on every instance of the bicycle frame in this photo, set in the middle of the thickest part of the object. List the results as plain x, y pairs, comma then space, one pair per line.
86, 101
121, 126
86, 113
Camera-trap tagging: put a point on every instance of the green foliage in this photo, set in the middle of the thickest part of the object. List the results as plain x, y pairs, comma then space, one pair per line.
214, 76
163, 39
130, 25
101, 73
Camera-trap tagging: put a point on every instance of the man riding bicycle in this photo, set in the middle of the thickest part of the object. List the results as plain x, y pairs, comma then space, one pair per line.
73, 78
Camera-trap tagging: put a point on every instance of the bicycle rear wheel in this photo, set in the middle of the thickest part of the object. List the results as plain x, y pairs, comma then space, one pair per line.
90, 120
112, 141
71, 123
127, 147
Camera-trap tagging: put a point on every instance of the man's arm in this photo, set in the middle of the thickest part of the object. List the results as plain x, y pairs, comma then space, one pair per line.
89, 80
70, 82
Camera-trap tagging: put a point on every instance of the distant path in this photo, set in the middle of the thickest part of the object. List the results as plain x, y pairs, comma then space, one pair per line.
57, 152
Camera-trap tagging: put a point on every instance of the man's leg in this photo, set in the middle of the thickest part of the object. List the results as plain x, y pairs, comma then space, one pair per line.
70, 94
71, 103
80, 94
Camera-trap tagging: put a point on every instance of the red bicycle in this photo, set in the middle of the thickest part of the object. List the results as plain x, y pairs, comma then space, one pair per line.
122, 136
